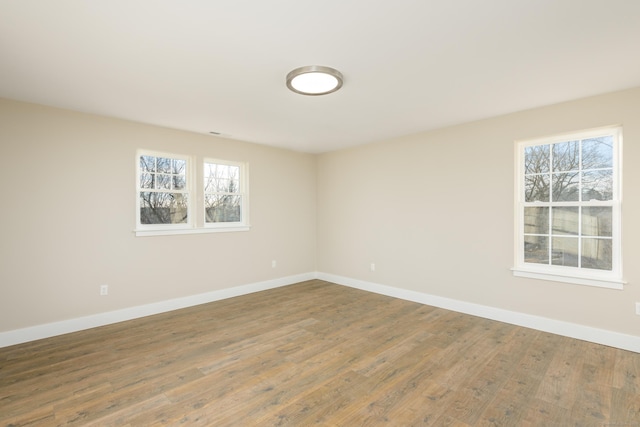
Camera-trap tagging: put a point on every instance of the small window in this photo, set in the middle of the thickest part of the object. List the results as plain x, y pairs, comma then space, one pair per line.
163, 190
224, 193
568, 208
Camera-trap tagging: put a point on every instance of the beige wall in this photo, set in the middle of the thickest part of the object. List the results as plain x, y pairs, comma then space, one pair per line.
68, 215
435, 213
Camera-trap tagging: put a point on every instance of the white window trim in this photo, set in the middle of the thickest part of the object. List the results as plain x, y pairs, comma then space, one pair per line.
581, 276
169, 232
147, 228
244, 192
195, 189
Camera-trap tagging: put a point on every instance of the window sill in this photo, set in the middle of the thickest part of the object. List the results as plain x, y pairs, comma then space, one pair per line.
578, 280
174, 231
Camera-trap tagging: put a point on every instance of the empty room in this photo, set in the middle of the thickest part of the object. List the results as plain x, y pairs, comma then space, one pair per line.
287, 213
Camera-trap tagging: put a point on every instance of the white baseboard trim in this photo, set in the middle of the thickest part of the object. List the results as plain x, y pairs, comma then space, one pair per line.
572, 330
33, 333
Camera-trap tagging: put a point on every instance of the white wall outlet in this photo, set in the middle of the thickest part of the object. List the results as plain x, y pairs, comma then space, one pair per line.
372, 267
638, 308
104, 289
274, 263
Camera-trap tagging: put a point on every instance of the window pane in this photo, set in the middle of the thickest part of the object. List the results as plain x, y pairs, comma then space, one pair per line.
234, 172
179, 182
566, 187
597, 254
179, 167
213, 173
597, 185
147, 164
212, 170
146, 180
536, 249
221, 185
228, 186
597, 221
536, 188
163, 165
209, 169
209, 185
221, 178
222, 208
536, 220
163, 182
565, 221
536, 159
163, 208
566, 156
597, 152
564, 251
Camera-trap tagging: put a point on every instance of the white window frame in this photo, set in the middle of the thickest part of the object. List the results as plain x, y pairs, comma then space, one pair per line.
195, 190
188, 191
242, 192
583, 276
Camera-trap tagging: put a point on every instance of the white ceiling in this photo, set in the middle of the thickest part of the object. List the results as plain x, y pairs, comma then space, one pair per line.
409, 66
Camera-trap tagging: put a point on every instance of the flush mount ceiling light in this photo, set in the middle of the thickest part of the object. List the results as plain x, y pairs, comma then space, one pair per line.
314, 80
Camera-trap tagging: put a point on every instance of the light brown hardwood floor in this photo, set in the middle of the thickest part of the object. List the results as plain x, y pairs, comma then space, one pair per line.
316, 353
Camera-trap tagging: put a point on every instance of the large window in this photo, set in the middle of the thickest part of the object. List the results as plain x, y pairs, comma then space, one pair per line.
568, 208
169, 200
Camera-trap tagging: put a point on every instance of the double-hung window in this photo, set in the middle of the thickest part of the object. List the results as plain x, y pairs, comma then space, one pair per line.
163, 191
224, 192
568, 208
177, 194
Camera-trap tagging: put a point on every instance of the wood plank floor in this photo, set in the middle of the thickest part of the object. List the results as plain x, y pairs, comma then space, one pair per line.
316, 353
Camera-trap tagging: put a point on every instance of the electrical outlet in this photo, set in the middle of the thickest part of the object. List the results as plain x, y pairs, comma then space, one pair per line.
274, 264
372, 267
104, 289
638, 308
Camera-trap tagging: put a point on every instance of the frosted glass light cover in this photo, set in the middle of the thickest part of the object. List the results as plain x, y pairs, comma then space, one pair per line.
314, 83
314, 80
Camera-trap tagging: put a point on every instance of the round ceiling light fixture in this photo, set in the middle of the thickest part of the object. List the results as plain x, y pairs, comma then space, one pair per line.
314, 80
